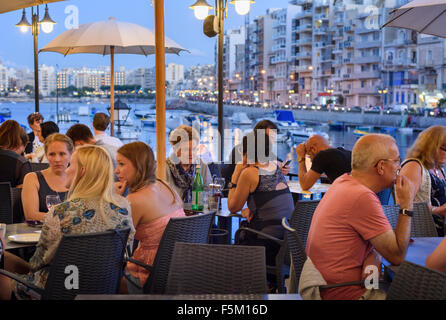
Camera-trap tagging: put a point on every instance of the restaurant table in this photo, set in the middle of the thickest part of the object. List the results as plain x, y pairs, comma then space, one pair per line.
189, 297
18, 228
314, 193
417, 252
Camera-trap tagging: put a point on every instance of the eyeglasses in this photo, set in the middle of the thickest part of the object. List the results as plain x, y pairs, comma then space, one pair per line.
443, 149
396, 161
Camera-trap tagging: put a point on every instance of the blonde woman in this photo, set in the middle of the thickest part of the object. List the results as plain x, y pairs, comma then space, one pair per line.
92, 206
423, 167
52, 181
153, 203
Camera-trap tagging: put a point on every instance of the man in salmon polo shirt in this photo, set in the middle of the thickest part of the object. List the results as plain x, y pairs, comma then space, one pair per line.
349, 230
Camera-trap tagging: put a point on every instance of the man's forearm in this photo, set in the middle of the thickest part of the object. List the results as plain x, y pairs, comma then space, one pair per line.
302, 172
402, 234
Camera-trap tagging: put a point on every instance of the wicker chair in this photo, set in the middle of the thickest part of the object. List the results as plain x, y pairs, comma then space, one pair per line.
422, 221
299, 257
414, 282
99, 258
17, 208
6, 215
301, 220
38, 166
192, 229
219, 269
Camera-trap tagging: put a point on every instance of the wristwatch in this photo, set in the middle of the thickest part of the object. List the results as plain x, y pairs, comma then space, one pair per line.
231, 185
406, 212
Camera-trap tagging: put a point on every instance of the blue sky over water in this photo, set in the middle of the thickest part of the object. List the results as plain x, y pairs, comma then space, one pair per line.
16, 48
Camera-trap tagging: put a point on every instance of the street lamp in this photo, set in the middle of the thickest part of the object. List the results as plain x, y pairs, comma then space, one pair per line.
201, 8
383, 93
47, 26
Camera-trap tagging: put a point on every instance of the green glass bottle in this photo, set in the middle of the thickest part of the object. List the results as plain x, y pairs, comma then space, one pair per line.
197, 191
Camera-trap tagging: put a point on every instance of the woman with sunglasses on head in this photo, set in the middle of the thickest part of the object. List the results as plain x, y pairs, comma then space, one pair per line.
423, 166
153, 203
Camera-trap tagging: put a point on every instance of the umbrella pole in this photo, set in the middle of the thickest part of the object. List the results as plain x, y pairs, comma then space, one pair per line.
112, 90
160, 90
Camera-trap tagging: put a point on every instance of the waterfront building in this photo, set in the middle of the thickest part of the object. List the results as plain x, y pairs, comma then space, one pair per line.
47, 80
144, 77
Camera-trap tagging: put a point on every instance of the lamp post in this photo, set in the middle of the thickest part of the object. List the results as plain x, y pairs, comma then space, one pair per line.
47, 27
201, 9
382, 93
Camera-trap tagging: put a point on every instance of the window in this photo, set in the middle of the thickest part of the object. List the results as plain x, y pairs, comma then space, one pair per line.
397, 97
376, 36
362, 83
376, 52
402, 97
375, 67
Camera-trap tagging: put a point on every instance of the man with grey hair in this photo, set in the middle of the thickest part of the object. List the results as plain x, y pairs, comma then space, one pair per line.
349, 230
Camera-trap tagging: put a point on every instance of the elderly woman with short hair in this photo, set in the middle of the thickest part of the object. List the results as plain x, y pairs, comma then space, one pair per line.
423, 166
182, 162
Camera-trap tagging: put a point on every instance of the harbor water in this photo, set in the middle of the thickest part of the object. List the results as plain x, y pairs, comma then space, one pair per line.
134, 129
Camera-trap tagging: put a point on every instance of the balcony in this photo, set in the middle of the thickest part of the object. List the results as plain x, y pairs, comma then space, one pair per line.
320, 44
365, 90
303, 69
370, 59
279, 35
278, 47
320, 31
365, 30
278, 23
303, 14
303, 55
300, 2
348, 29
325, 59
366, 75
348, 45
399, 43
303, 41
304, 27
278, 59
321, 16
368, 44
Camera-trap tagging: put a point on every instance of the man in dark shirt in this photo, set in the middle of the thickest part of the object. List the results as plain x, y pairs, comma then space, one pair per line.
332, 161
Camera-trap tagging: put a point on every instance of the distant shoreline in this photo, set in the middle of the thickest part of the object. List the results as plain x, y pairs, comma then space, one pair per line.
72, 100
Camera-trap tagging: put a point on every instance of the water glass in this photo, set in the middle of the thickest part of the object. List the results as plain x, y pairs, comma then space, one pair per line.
52, 200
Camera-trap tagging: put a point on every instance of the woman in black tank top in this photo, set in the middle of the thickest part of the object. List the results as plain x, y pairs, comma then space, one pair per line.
51, 181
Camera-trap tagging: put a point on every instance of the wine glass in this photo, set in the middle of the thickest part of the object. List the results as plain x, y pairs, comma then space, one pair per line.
52, 200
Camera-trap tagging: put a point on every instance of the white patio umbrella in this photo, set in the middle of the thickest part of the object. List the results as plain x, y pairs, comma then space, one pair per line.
107, 38
11, 5
423, 16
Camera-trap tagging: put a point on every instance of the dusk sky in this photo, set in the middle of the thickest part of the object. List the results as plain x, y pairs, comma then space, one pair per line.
16, 48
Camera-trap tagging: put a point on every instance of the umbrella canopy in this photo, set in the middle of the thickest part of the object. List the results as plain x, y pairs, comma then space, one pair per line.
423, 16
11, 5
107, 38
99, 37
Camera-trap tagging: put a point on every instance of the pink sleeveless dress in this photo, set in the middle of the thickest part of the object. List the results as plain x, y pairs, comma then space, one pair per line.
149, 236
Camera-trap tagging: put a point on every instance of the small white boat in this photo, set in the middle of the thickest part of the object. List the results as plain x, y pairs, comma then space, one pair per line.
282, 137
144, 113
240, 118
149, 121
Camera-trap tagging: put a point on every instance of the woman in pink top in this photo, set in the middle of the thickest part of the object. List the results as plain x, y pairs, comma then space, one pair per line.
153, 203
